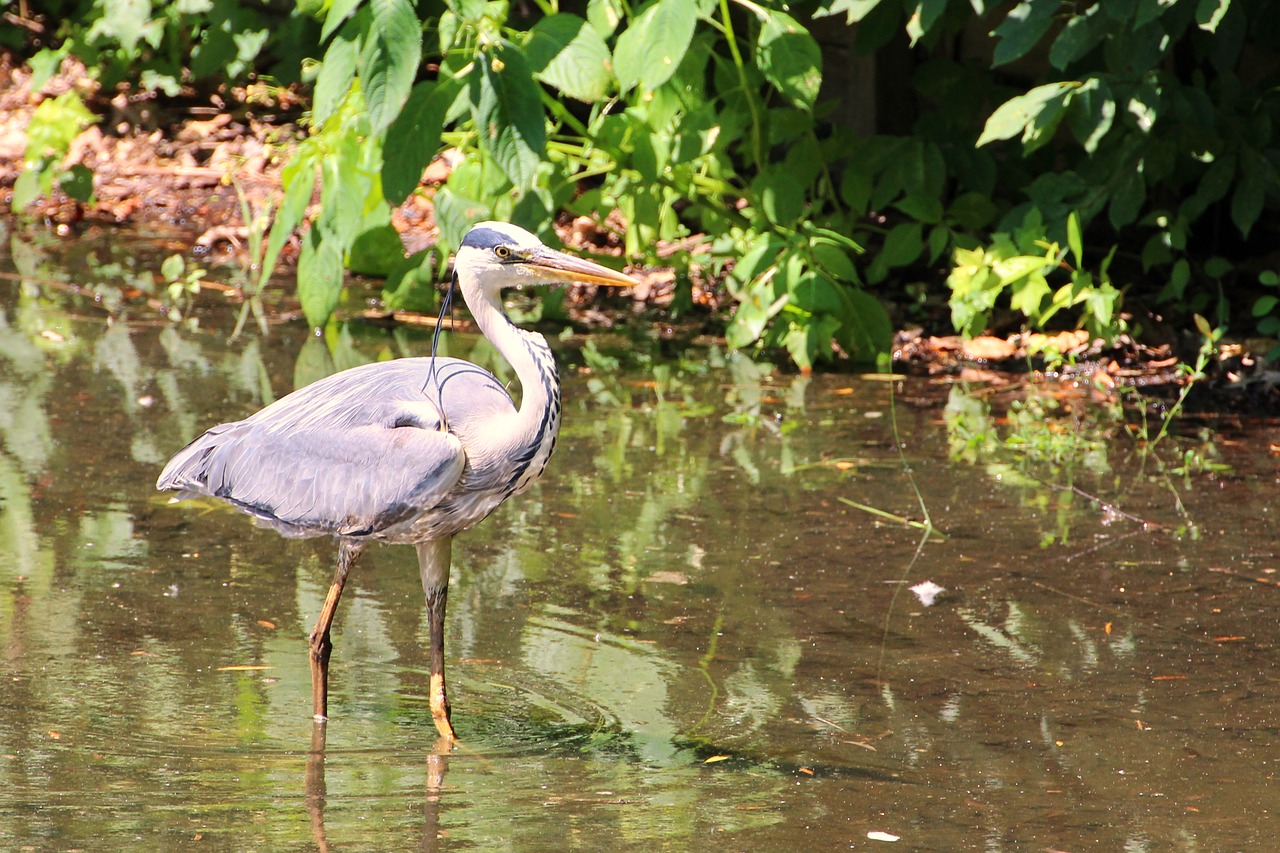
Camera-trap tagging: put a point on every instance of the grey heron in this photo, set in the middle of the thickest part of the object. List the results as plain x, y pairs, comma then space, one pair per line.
414, 450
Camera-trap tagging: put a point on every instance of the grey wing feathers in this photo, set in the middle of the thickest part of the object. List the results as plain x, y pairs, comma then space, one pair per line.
351, 455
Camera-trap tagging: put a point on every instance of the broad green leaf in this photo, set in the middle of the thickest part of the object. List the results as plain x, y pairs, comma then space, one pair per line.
299, 180
506, 105
818, 294
1265, 305
341, 192
1028, 295
1150, 10
77, 182
54, 125
1082, 34
1127, 199
869, 331
339, 11
123, 21
789, 58
319, 278
377, 249
566, 52
1247, 201
604, 15
649, 51
1014, 115
413, 139
922, 208
333, 82
1091, 112
973, 211
389, 59
779, 194
835, 261
1022, 29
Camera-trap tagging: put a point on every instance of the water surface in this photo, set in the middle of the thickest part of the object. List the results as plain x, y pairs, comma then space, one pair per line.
684, 635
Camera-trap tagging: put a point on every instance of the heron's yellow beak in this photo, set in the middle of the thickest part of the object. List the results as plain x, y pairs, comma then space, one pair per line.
551, 265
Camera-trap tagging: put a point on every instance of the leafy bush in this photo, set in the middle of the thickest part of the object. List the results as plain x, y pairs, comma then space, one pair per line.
1143, 127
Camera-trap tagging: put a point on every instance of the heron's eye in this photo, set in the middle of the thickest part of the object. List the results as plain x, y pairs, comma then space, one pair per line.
502, 252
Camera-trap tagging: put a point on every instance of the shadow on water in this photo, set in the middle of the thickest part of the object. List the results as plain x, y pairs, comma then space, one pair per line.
688, 632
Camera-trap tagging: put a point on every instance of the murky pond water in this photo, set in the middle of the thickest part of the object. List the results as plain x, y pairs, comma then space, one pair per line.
685, 635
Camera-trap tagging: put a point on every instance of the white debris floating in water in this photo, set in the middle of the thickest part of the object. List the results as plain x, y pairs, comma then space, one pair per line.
927, 592
877, 835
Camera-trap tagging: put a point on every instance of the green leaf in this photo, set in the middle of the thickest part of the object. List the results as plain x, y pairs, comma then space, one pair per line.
26, 188
1022, 29
868, 331
650, 50
122, 20
172, 267
413, 139
338, 12
333, 82
1127, 199
780, 196
1265, 305
1247, 201
1091, 112
376, 250
506, 106
834, 260
973, 211
1014, 115
77, 182
389, 59
54, 125
566, 52
1074, 239
319, 278
1082, 34
604, 15
789, 58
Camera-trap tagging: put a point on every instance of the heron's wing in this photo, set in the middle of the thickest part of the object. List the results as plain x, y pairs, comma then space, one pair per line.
352, 454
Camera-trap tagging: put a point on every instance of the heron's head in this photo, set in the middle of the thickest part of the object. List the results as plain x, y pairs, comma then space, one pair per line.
497, 254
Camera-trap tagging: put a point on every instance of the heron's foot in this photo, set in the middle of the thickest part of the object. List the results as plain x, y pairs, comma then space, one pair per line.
440, 710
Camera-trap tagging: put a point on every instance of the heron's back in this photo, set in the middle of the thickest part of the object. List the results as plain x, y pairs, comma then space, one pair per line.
364, 452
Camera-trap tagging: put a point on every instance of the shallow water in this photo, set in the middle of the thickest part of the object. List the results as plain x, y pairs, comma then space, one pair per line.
682, 636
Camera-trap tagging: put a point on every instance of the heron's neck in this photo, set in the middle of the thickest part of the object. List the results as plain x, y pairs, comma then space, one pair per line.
532, 435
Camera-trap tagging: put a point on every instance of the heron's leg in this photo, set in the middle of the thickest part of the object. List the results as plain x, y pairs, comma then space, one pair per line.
348, 551
433, 563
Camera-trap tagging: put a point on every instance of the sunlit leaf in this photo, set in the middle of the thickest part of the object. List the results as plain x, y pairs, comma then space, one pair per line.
337, 71
319, 277
1014, 115
389, 59
789, 58
507, 108
566, 52
1022, 29
649, 51
1209, 13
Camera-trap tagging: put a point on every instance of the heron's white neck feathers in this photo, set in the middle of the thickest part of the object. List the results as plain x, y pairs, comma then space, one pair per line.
530, 436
